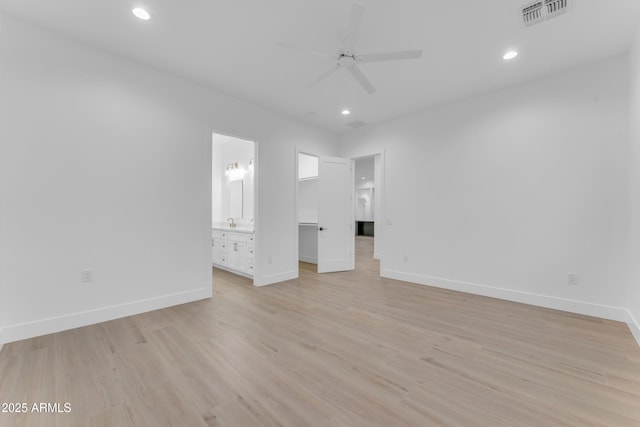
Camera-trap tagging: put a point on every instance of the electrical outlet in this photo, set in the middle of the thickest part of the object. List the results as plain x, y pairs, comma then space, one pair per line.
405, 258
572, 279
86, 276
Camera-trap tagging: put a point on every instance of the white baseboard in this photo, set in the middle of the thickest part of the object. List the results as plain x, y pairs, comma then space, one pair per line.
275, 278
634, 326
1, 339
231, 270
90, 317
563, 304
309, 259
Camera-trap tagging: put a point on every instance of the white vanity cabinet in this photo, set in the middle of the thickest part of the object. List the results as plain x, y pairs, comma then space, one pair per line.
250, 253
219, 243
234, 251
237, 251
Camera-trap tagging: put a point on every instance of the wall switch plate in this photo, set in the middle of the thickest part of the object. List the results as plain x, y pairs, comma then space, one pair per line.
86, 276
269, 260
572, 279
405, 258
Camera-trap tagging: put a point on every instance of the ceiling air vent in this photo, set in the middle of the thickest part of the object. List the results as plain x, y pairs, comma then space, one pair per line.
356, 124
538, 11
532, 14
556, 7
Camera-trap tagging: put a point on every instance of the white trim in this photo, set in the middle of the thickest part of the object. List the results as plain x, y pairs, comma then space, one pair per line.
563, 304
634, 326
276, 278
90, 317
1, 339
256, 210
234, 271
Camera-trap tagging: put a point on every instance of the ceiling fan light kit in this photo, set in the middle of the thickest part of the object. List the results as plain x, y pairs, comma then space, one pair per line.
348, 59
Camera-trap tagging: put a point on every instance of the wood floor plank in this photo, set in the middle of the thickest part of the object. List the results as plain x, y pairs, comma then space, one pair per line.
339, 349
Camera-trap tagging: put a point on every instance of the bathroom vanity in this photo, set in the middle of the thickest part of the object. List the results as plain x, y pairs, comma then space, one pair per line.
233, 249
232, 204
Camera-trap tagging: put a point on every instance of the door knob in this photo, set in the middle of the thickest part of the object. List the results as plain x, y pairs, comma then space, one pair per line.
322, 228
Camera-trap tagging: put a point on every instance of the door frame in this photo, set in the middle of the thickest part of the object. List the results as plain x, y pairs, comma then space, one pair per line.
296, 197
380, 220
256, 208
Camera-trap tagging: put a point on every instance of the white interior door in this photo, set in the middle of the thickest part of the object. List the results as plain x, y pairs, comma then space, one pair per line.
335, 234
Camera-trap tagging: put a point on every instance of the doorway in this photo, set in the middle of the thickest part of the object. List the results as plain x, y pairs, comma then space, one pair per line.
233, 195
367, 208
324, 213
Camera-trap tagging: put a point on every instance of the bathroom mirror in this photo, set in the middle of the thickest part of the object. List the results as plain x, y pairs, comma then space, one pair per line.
235, 199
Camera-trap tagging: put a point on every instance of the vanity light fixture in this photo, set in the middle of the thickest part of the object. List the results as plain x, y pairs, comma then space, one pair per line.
510, 55
141, 13
234, 172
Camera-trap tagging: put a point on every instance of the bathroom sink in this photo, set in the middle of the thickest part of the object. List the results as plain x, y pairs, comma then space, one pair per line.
239, 227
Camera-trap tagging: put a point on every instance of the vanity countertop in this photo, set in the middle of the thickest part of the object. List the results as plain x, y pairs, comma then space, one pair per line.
241, 228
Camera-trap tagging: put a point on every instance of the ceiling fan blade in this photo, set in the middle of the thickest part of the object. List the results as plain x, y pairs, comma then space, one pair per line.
389, 56
355, 19
323, 76
306, 49
364, 82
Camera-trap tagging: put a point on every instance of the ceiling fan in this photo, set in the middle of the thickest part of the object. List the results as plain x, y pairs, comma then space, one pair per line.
347, 57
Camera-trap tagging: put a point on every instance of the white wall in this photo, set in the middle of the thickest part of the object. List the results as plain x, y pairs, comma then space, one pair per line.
308, 243
308, 201
634, 190
105, 165
504, 194
307, 166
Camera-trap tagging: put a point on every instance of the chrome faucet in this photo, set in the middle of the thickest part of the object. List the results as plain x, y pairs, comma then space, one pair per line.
232, 224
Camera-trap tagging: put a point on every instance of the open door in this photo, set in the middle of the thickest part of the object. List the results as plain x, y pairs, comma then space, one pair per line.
335, 233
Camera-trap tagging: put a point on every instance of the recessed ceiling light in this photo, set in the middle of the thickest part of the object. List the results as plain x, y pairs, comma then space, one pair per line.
141, 13
346, 112
363, 178
510, 55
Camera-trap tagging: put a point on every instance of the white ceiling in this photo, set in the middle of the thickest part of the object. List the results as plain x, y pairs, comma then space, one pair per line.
230, 45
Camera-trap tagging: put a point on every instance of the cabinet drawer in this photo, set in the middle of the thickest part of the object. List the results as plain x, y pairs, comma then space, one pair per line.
236, 237
250, 251
218, 234
250, 239
219, 244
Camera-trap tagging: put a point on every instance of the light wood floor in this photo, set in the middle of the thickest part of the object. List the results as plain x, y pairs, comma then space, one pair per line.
344, 349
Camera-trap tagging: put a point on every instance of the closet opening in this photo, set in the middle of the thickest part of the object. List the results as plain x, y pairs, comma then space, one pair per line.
307, 201
324, 213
